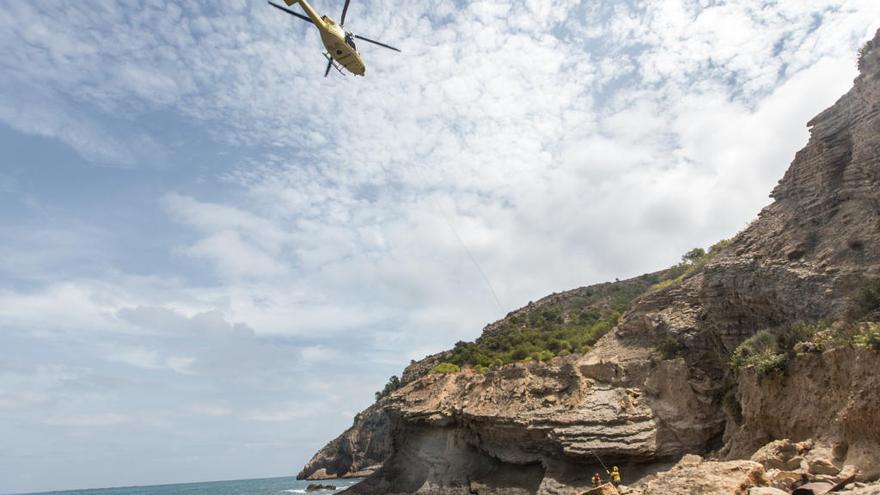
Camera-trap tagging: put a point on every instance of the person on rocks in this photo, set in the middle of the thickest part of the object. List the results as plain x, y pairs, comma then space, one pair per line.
615, 476
597, 480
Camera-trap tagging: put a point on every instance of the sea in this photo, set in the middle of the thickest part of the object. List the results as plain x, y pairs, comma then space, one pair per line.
267, 486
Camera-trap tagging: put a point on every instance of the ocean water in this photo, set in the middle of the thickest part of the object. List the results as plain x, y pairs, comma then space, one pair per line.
268, 486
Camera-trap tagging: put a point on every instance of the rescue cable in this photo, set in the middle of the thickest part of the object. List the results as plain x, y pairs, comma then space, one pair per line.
600, 462
461, 242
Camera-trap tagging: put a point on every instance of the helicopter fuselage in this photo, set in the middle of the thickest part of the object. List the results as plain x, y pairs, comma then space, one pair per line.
339, 44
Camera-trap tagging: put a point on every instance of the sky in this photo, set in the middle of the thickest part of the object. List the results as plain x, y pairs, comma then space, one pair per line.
211, 256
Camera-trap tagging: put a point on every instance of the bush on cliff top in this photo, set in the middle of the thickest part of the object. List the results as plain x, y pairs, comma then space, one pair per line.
392, 385
538, 335
863, 53
445, 368
571, 324
691, 261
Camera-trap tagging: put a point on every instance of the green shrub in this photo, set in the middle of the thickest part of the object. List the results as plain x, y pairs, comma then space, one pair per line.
392, 385
481, 369
691, 261
542, 355
559, 327
761, 353
718, 246
693, 256
559, 346
868, 336
796, 333
469, 353
847, 334
669, 282
730, 403
446, 368
863, 53
670, 347
541, 334
865, 303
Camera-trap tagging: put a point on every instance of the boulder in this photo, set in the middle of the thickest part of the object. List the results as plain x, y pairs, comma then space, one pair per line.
778, 454
694, 475
317, 487
766, 490
606, 489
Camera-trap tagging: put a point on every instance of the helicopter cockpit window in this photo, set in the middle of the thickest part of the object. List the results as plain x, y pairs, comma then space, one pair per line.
350, 40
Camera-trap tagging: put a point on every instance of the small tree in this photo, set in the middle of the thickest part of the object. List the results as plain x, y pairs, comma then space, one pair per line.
694, 256
392, 385
863, 53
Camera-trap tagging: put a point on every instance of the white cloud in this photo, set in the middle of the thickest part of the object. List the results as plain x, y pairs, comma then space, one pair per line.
152, 360
66, 306
559, 143
210, 409
234, 257
34, 386
286, 412
90, 421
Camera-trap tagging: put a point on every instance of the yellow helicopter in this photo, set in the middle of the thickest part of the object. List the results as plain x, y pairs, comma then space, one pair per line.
341, 50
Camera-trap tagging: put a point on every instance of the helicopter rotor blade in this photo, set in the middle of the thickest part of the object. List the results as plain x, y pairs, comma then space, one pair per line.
295, 14
368, 40
344, 11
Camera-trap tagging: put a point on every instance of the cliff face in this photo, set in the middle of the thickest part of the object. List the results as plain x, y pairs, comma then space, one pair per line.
832, 398
540, 427
357, 452
368, 442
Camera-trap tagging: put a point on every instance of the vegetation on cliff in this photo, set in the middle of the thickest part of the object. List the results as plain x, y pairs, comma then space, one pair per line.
393, 384
563, 324
863, 53
691, 262
760, 352
445, 368
768, 351
567, 323
865, 303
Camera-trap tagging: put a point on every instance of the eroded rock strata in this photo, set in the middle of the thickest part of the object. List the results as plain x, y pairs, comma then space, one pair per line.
540, 427
357, 452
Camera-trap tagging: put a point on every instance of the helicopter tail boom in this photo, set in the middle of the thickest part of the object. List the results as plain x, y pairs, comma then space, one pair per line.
313, 15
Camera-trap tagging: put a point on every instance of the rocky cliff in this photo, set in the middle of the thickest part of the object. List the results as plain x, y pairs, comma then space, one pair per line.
660, 385
357, 452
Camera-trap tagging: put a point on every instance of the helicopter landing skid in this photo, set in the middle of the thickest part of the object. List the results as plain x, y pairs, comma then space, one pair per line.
333, 63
